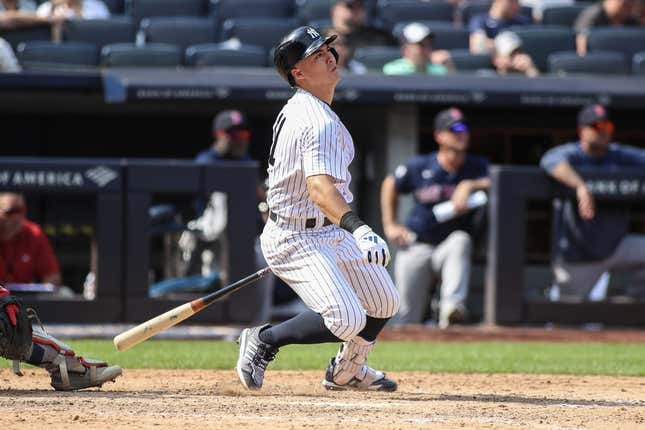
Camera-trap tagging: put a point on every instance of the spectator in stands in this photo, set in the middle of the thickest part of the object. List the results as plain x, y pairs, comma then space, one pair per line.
345, 51
484, 27
615, 13
19, 13
427, 248
509, 58
8, 61
418, 56
593, 238
26, 256
349, 19
57, 11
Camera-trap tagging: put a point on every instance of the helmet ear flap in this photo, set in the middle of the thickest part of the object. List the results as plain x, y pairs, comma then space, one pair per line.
334, 53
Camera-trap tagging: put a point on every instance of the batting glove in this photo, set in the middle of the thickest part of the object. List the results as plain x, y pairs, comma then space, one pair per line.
373, 247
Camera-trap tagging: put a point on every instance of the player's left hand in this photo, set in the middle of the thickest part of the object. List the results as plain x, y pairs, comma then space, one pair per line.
373, 247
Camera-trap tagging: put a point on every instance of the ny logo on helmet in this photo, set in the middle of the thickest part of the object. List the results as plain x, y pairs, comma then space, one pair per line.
313, 33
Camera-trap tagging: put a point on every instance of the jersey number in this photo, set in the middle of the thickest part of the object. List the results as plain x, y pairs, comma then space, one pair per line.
280, 122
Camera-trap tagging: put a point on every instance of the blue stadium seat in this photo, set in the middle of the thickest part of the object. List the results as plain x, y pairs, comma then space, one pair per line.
464, 61
446, 35
310, 10
627, 40
539, 41
100, 31
218, 54
50, 55
470, 8
116, 7
599, 62
265, 32
182, 31
562, 15
131, 55
230, 9
375, 57
26, 34
638, 64
140, 9
393, 11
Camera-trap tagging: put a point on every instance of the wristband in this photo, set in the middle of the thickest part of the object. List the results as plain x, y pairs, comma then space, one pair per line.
350, 222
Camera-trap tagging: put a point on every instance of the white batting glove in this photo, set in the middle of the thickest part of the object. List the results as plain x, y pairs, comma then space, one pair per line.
373, 247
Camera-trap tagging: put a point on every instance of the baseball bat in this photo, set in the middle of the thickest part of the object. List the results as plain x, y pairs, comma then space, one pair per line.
147, 329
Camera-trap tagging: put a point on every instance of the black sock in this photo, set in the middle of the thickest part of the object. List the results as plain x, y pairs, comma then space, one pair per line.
373, 327
305, 328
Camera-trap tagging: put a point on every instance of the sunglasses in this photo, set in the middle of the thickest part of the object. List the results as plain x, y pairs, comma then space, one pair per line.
236, 134
603, 125
16, 210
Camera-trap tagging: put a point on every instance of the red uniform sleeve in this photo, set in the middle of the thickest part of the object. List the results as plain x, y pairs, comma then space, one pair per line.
46, 263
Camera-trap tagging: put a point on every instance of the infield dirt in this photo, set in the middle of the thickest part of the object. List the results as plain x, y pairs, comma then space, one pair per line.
200, 399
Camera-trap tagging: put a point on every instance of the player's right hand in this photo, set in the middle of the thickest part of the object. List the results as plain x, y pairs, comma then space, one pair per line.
373, 247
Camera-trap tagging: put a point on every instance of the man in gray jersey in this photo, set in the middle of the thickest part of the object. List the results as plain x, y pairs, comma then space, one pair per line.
313, 240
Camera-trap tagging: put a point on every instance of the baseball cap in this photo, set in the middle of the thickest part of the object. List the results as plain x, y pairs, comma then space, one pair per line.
415, 32
506, 42
591, 114
228, 120
450, 119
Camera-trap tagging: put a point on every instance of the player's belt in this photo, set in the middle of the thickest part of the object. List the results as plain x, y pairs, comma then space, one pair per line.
309, 223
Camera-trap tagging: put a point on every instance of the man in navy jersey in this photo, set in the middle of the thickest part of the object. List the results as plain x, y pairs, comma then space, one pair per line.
427, 247
591, 239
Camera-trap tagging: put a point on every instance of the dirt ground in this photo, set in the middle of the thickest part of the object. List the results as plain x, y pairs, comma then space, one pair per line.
207, 399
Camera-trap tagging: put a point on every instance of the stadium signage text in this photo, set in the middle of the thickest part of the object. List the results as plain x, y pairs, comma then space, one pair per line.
617, 187
98, 176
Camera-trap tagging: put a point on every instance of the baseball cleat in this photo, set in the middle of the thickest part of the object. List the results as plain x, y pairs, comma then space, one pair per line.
254, 357
94, 376
371, 380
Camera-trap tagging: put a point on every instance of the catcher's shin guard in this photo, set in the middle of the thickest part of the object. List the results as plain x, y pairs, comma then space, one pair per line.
67, 370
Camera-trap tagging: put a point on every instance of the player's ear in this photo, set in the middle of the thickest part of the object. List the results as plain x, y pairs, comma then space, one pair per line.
297, 73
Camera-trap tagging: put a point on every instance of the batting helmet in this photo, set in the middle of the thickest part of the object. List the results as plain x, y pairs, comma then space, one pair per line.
296, 46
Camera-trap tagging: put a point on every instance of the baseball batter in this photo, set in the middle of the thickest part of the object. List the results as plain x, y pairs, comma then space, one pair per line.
313, 240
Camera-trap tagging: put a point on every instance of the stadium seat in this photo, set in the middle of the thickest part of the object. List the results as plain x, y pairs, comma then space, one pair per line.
627, 40
446, 35
50, 55
375, 57
116, 7
26, 34
176, 30
230, 9
151, 55
100, 31
562, 15
320, 24
638, 64
539, 41
310, 10
605, 63
140, 9
468, 9
391, 12
464, 61
265, 32
218, 54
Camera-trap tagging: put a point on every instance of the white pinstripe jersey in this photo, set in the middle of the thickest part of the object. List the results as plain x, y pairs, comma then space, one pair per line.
308, 139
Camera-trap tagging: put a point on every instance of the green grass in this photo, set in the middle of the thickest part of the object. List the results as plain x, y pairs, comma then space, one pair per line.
471, 357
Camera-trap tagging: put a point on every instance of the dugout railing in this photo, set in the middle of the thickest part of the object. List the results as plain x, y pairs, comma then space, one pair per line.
505, 301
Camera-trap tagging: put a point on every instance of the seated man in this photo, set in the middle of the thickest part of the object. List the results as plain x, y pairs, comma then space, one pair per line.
418, 56
509, 58
615, 13
427, 247
484, 27
25, 257
349, 20
594, 238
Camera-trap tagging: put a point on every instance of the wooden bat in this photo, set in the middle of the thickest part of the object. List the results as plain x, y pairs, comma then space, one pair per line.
147, 329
